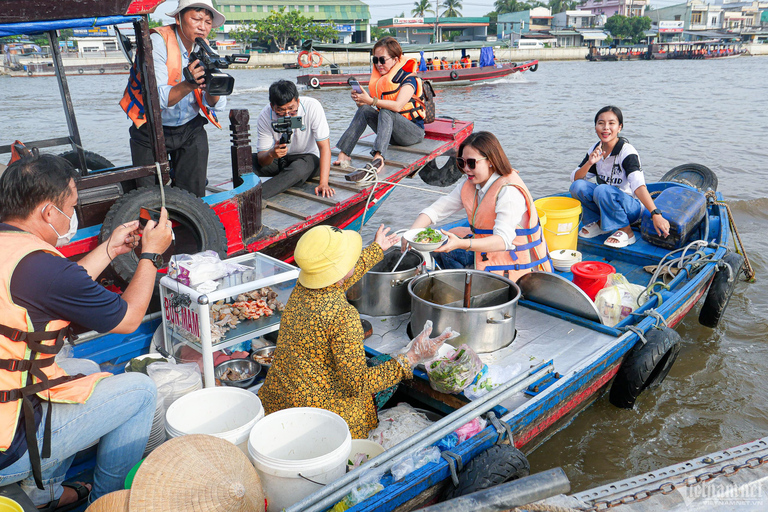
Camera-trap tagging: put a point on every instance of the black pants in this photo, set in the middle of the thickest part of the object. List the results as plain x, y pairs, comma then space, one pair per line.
296, 169
187, 147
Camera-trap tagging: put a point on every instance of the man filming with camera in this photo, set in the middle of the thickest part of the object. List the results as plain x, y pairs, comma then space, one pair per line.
186, 104
293, 142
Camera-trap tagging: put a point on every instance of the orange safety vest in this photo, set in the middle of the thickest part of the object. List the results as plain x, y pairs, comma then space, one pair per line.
387, 87
530, 251
436, 64
456, 65
132, 102
27, 365
467, 62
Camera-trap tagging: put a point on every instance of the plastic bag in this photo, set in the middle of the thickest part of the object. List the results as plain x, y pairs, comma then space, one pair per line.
470, 429
424, 347
360, 493
174, 380
413, 462
195, 269
488, 380
455, 371
617, 299
398, 424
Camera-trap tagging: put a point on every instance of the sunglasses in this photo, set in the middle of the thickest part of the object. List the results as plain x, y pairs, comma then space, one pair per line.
468, 162
379, 60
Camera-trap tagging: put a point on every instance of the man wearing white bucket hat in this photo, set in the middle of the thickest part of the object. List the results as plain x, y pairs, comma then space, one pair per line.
186, 105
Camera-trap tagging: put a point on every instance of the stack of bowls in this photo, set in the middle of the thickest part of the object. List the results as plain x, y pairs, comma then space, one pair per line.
157, 435
563, 259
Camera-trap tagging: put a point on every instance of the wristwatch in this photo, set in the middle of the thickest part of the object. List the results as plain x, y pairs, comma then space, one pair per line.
655, 211
156, 259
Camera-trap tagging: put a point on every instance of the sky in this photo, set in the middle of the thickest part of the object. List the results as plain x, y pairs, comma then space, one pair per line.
381, 9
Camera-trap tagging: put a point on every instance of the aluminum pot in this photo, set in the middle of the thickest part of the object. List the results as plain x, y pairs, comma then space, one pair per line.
488, 323
382, 292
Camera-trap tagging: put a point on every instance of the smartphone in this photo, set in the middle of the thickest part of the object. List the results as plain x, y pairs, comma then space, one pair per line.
147, 214
355, 85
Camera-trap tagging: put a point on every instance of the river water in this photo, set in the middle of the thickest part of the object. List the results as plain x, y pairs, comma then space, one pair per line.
708, 112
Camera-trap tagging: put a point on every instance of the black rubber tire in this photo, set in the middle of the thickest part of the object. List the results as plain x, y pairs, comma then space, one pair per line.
696, 175
80, 71
645, 367
349, 80
496, 465
514, 64
535, 68
94, 161
101, 70
198, 229
29, 73
720, 291
454, 75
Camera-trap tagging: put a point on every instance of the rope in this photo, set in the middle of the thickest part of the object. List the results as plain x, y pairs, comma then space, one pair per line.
749, 272
543, 507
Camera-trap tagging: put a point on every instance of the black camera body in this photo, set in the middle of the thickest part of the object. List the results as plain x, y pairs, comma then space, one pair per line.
216, 82
285, 126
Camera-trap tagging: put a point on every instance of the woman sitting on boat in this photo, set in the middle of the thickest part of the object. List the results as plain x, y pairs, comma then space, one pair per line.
504, 234
394, 109
320, 360
618, 197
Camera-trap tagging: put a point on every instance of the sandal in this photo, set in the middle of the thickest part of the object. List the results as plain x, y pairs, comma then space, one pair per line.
591, 230
82, 497
623, 240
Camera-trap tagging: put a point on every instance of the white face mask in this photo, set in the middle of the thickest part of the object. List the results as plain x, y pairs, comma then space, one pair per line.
66, 237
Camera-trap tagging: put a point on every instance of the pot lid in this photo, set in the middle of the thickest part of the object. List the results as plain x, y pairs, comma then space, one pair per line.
558, 292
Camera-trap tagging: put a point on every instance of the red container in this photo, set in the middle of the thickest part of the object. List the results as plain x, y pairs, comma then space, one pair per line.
590, 276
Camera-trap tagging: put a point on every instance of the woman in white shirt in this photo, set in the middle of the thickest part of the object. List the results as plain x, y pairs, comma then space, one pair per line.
504, 235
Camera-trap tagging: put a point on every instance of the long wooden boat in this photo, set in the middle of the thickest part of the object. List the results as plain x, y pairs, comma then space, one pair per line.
713, 49
459, 76
616, 53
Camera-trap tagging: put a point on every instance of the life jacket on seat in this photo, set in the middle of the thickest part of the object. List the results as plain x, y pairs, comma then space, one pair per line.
530, 251
388, 86
27, 364
132, 102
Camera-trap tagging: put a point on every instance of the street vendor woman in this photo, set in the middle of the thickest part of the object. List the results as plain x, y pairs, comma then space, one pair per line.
504, 234
51, 410
186, 106
319, 360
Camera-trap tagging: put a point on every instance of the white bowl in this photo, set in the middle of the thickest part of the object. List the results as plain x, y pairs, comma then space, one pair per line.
563, 259
423, 246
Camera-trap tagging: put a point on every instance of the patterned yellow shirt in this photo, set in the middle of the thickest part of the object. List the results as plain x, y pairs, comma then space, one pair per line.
320, 360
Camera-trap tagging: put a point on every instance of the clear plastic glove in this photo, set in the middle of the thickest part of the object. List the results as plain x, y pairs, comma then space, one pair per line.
422, 348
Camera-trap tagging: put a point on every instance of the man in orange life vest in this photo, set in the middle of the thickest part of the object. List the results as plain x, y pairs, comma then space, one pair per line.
50, 410
186, 106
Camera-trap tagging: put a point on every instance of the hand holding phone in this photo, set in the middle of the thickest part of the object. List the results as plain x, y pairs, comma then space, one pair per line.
147, 214
355, 86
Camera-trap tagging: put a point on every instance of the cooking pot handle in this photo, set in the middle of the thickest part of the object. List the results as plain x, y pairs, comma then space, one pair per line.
398, 282
507, 318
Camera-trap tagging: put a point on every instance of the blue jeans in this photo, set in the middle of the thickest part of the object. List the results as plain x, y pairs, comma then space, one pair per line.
120, 412
390, 127
607, 204
457, 258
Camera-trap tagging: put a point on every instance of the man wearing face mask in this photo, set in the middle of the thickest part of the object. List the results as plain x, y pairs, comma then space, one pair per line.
49, 411
186, 105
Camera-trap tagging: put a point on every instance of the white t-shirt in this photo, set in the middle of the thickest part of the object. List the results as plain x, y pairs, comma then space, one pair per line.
303, 140
621, 168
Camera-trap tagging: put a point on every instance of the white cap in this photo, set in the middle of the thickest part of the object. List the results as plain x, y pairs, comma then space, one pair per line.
218, 18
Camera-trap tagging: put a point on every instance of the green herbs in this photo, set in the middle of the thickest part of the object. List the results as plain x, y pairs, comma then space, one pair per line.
454, 372
428, 235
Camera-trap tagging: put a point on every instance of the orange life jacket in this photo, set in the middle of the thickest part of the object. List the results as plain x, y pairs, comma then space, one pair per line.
27, 365
132, 102
467, 62
436, 64
388, 86
456, 65
530, 251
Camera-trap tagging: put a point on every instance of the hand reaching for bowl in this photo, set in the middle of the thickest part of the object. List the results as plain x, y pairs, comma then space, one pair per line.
384, 239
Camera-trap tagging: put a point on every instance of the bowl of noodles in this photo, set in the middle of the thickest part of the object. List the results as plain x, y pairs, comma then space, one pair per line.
425, 240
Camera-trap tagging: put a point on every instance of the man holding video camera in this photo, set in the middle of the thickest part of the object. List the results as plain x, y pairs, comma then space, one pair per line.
186, 104
293, 142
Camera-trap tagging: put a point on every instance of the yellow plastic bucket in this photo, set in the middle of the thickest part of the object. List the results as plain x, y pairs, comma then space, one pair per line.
9, 505
559, 216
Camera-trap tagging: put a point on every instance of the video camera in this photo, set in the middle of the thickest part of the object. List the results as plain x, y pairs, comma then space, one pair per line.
285, 126
216, 82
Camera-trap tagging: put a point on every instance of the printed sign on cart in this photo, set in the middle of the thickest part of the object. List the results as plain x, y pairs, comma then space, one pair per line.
182, 318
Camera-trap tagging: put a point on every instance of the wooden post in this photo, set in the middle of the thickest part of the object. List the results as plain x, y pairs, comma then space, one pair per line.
242, 154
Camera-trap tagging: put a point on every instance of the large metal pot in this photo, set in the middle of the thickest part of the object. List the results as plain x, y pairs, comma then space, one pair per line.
488, 323
382, 292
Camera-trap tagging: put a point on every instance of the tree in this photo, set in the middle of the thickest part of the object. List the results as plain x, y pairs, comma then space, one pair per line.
420, 7
493, 16
451, 9
155, 23
622, 27
505, 6
283, 26
378, 33
562, 5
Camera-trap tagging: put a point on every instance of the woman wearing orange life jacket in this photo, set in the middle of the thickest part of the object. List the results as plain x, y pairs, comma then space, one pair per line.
393, 109
504, 236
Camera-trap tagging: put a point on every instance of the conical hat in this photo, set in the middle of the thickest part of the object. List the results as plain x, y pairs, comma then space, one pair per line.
196, 473
113, 502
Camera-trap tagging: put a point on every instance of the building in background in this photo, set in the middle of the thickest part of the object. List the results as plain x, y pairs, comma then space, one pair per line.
350, 17
700, 21
422, 30
529, 24
610, 7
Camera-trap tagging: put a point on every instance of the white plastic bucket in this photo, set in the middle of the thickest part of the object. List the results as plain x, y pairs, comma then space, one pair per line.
226, 412
303, 440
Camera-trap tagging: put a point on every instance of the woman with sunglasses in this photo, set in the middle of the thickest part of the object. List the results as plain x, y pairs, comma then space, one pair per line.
504, 236
393, 109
